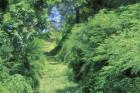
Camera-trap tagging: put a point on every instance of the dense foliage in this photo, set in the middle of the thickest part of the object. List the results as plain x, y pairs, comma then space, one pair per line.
21, 56
104, 52
99, 39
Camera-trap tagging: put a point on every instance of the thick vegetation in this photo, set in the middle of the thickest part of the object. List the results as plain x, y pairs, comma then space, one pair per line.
104, 52
99, 39
21, 56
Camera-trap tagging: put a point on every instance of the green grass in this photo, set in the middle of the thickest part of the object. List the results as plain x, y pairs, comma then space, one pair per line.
55, 79
55, 75
48, 46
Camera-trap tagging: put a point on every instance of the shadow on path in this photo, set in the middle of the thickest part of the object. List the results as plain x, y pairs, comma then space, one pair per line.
69, 90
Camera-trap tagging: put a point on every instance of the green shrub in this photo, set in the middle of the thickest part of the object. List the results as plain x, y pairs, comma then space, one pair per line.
21, 54
121, 74
15, 84
96, 64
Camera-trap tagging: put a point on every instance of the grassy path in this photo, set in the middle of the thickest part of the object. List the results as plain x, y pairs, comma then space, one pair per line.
55, 79
55, 75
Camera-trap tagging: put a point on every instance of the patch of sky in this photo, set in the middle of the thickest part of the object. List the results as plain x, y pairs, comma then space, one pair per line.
55, 15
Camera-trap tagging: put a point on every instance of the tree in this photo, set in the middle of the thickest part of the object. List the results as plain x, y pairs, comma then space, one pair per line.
20, 50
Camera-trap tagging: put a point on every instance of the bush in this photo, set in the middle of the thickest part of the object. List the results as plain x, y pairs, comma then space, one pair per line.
15, 84
96, 64
121, 74
21, 54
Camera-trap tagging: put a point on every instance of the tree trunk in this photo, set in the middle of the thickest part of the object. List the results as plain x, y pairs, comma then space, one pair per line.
77, 15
